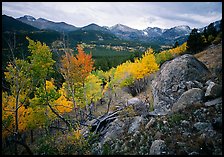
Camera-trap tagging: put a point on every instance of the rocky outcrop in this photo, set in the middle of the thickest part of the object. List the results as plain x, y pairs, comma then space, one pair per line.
174, 78
136, 124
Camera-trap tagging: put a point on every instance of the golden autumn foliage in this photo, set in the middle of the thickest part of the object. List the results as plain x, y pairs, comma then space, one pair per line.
93, 88
171, 53
128, 72
8, 115
62, 104
75, 70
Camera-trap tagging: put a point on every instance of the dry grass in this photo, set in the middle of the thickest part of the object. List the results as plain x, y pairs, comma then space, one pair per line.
211, 57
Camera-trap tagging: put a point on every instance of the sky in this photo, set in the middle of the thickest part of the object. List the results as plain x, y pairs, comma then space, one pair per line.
138, 15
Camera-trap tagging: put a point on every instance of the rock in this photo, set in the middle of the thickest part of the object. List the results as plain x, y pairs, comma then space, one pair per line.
91, 123
188, 98
114, 130
141, 140
158, 112
135, 125
214, 90
208, 82
136, 135
182, 85
217, 123
201, 126
96, 149
140, 108
134, 101
174, 88
158, 147
214, 102
185, 123
200, 114
181, 69
150, 123
198, 84
193, 153
131, 143
189, 85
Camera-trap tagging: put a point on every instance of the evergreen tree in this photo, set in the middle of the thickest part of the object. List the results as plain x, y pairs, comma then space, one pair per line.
211, 30
176, 44
195, 42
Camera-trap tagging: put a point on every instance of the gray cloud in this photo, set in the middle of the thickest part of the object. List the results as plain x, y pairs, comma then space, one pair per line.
138, 15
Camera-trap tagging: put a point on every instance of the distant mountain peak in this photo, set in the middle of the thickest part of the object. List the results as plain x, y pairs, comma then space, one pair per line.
123, 28
94, 27
183, 27
42, 20
42, 23
28, 17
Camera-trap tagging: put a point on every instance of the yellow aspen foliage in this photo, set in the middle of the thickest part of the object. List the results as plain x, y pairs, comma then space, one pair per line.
61, 104
50, 85
93, 88
178, 50
8, 115
171, 53
128, 72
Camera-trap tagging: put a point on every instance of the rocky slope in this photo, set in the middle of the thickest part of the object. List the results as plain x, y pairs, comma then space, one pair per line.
186, 120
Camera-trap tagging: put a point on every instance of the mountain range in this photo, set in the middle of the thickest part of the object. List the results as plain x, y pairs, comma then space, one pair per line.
120, 31
152, 34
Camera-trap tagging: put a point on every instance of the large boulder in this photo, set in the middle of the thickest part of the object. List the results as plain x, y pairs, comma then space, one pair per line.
113, 130
172, 80
188, 98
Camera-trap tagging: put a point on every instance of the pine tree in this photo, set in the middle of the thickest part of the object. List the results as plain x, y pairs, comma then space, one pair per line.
195, 42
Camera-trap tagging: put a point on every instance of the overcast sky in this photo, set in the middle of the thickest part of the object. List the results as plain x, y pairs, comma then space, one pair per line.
139, 15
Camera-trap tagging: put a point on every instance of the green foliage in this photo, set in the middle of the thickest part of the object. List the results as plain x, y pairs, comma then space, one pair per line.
162, 57
210, 38
106, 150
41, 60
198, 41
175, 119
218, 39
46, 146
18, 76
195, 42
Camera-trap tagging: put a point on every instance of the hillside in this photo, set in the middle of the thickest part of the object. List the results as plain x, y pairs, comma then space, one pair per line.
41, 23
212, 58
11, 24
178, 112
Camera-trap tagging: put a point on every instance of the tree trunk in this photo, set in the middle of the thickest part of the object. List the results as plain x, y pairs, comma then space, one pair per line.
62, 118
86, 102
17, 123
